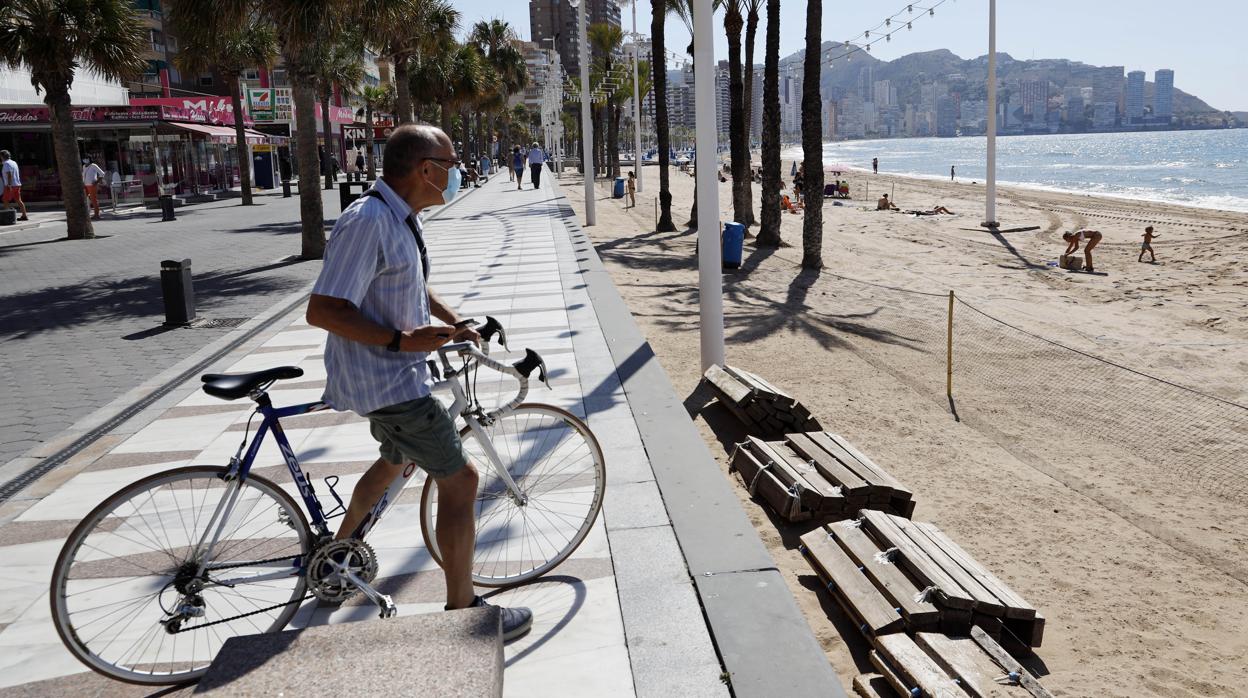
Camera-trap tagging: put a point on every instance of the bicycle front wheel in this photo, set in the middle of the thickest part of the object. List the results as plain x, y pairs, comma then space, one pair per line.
558, 467
133, 600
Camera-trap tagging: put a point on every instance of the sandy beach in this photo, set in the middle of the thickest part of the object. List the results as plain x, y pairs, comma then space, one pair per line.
1114, 502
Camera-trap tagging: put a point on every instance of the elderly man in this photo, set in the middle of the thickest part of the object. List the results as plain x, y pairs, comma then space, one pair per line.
537, 160
373, 299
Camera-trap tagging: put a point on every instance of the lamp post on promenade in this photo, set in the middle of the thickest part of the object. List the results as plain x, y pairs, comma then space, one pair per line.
636, 98
587, 125
990, 194
710, 274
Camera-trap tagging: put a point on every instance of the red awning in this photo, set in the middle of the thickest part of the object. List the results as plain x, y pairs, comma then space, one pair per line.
220, 134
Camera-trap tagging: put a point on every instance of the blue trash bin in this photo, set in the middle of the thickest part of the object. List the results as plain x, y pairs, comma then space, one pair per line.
733, 241
618, 191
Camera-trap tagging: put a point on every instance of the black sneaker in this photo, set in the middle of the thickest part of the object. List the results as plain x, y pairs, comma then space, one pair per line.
516, 621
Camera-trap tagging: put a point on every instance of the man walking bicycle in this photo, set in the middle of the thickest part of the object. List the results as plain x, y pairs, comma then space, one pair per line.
373, 300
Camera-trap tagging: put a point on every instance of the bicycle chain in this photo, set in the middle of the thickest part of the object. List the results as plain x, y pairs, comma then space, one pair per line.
249, 613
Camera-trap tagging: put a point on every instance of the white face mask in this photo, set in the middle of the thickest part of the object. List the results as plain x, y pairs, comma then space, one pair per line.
453, 179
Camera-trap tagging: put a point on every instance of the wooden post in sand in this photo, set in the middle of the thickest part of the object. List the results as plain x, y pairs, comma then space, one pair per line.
949, 351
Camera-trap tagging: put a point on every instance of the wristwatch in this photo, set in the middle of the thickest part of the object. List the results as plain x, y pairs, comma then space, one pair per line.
394, 343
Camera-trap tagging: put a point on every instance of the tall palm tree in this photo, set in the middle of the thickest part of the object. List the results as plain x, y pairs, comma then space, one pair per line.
402, 29
738, 129
769, 230
662, 128
55, 38
429, 76
376, 99
229, 49
751, 31
812, 140
497, 40
606, 40
342, 65
471, 81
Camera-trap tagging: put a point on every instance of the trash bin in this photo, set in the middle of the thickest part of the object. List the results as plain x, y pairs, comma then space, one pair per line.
733, 241
178, 291
346, 196
8, 216
166, 208
618, 191
285, 188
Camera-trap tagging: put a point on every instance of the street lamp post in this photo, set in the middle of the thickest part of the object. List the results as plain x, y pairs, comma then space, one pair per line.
990, 195
587, 126
636, 100
710, 274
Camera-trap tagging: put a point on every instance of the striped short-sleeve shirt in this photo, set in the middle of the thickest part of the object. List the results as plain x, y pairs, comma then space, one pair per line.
372, 261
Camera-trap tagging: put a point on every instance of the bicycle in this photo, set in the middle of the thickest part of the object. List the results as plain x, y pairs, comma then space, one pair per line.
217, 551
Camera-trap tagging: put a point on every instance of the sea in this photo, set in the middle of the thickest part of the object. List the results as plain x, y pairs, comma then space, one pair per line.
1195, 168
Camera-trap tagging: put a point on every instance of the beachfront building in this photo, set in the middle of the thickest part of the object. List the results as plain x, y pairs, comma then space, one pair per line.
1134, 98
723, 103
554, 21
756, 111
946, 116
884, 94
791, 104
1163, 97
1107, 88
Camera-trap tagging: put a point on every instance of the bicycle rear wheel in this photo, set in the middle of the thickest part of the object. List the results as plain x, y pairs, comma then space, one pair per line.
558, 466
129, 598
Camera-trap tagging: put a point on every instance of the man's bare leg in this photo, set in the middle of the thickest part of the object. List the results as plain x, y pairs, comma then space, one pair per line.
456, 534
369, 489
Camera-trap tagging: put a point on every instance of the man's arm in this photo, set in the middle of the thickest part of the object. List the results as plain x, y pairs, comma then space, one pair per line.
345, 320
439, 309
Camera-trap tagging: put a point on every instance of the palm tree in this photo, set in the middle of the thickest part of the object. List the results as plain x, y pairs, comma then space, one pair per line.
341, 64
658, 13
606, 40
769, 230
430, 77
471, 82
403, 29
375, 98
738, 129
229, 49
812, 140
55, 38
496, 39
751, 31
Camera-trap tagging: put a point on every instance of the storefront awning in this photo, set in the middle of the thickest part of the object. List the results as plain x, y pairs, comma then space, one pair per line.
221, 134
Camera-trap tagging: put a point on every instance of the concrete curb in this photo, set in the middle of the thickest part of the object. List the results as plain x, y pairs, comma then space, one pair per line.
764, 643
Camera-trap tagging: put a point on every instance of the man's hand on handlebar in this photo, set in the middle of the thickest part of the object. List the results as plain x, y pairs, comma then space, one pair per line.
426, 338
466, 332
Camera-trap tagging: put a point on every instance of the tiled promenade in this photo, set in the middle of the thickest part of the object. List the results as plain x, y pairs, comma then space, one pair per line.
622, 617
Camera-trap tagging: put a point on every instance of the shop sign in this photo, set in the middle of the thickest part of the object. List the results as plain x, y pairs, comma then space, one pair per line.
208, 110
132, 113
360, 133
260, 103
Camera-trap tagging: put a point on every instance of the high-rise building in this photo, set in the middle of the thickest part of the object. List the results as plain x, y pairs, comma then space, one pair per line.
1134, 97
791, 103
1107, 86
865, 84
946, 116
723, 103
756, 111
1163, 99
552, 23
1035, 96
161, 78
884, 93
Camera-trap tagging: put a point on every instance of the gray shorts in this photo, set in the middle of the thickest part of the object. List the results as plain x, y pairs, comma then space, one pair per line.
419, 431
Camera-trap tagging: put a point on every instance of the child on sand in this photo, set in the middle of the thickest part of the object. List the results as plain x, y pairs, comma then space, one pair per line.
632, 189
1147, 245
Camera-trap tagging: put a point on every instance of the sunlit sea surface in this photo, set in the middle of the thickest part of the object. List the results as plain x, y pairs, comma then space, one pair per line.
1195, 168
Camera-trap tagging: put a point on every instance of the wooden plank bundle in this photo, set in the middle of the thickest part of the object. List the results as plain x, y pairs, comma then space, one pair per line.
840, 463
767, 410
935, 664
800, 488
916, 569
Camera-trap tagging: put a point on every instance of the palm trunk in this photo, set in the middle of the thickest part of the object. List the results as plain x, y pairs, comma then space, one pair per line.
446, 118
329, 140
402, 89
738, 133
613, 136
812, 141
769, 230
311, 212
240, 135
751, 31
368, 120
68, 166
658, 11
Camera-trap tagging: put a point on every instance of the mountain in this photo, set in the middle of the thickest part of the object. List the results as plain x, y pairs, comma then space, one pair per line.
907, 73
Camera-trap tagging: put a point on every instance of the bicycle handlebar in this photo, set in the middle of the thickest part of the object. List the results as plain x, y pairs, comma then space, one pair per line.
521, 369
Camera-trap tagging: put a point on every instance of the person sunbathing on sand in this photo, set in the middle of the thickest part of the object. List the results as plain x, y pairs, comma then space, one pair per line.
932, 212
1147, 245
884, 204
1093, 238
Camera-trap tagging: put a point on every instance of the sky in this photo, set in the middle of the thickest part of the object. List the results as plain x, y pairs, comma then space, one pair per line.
1201, 40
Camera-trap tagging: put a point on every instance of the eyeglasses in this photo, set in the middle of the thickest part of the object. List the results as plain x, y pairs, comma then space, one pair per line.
456, 162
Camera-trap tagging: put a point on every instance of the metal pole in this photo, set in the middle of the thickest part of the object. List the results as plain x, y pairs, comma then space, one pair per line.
587, 124
710, 275
636, 102
949, 351
990, 196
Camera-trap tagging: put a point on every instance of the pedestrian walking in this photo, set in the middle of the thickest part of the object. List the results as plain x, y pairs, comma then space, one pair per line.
537, 160
517, 165
11, 184
632, 189
359, 161
373, 299
875, 165
91, 176
951, 175
1147, 245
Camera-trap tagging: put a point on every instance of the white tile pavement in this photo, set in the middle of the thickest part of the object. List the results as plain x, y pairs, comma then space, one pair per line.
592, 634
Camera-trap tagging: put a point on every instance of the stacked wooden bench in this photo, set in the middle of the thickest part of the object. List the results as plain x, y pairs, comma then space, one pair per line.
939, 665
891, 573
819, 476
767, 410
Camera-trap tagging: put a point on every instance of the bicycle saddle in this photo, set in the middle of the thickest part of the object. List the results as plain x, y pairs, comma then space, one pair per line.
232, 386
